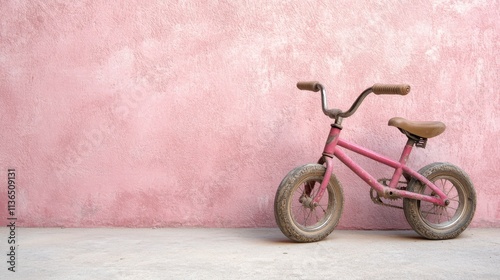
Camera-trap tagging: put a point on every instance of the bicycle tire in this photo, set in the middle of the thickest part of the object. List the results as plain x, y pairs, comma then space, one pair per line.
433, 221
287, 207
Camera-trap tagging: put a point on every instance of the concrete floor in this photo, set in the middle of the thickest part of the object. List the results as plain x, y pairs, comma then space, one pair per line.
182, 253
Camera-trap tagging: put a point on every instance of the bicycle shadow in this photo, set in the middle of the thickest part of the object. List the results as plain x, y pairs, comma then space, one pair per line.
274, 236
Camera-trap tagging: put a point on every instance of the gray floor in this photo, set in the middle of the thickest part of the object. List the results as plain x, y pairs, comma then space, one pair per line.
125, 253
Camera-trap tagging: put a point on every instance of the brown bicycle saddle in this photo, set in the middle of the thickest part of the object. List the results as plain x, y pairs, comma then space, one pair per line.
421, 129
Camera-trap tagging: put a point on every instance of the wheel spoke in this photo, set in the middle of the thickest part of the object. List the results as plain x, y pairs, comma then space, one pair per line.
443, 186
429, 211
318, 218
448, 217
322, 207
307, 216
314, 190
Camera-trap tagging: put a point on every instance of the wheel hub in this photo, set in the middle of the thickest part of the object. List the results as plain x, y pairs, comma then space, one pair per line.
307, 201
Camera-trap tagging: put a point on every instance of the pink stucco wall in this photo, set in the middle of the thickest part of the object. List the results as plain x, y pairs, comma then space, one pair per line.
185, 113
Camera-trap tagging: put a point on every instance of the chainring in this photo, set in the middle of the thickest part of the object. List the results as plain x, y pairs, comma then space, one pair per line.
377, 199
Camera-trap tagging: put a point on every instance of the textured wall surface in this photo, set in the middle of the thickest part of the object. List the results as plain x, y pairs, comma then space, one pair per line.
185, 113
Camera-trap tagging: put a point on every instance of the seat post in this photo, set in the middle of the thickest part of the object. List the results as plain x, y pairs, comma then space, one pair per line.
407, 151
411, 142
403, 159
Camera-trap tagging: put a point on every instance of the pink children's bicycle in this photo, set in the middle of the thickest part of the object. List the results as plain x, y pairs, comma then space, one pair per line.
439, 200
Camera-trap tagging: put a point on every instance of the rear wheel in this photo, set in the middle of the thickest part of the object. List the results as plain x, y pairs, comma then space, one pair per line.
296, 217
441, 222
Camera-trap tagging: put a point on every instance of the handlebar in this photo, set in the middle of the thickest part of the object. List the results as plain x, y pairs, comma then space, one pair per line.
390, 89
310, 86
337, 114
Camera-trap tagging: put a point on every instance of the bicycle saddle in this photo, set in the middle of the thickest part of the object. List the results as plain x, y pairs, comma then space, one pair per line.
420, 129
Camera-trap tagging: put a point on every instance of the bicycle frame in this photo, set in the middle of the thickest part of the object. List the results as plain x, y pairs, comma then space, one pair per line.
332, 149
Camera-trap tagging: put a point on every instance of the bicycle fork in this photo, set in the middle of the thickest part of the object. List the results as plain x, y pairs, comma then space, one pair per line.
327, 159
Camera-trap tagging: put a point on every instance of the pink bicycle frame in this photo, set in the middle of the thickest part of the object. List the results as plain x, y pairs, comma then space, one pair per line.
332, 149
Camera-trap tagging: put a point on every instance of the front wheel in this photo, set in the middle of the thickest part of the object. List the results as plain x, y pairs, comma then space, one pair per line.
295, 215
441, 222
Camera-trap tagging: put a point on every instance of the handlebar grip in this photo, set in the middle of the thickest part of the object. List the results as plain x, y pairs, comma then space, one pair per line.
391, 89
310, 86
